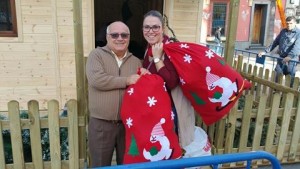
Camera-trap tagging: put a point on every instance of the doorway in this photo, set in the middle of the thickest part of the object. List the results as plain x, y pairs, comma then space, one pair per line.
259, 24
130, 12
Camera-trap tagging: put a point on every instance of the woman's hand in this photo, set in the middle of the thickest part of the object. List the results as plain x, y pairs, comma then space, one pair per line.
157, 50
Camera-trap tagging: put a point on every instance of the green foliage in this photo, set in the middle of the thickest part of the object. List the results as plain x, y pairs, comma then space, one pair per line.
241, 102
251, 133
45, 142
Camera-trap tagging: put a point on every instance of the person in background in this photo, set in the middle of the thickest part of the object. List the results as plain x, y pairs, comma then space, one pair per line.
218, 40
156, 62
288, 42
109, 69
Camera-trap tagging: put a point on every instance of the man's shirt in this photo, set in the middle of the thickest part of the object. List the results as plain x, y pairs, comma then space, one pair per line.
288, 43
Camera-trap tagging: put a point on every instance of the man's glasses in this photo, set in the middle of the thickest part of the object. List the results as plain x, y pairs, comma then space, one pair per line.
154, 28
116, 35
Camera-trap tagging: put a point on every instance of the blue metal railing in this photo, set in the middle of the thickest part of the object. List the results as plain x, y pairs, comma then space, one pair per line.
213, 161
251, 57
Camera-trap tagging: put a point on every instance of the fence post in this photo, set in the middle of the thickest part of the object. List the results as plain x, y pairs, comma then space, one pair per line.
54, 135
15, 129
73, 134
2, 157
35, 133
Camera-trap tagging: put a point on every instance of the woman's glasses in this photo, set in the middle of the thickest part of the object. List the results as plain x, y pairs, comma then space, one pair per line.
117, 35
147, 28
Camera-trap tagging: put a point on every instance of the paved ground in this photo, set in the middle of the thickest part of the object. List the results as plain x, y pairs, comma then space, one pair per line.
286, 166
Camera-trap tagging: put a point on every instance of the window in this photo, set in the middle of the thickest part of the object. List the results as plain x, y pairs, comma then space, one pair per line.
8, 21
219, 17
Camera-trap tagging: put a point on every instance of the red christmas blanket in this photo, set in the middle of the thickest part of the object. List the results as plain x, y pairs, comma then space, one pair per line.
149, 122
211, 85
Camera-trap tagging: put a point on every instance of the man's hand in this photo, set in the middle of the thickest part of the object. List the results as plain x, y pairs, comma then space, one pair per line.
144, 71
286, 59
132, 79
260, 54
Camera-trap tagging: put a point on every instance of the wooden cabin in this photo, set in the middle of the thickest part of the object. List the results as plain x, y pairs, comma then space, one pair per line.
39, 61
37, 58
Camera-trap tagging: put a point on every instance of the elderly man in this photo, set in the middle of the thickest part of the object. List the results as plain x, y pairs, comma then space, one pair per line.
288, 42
110, 69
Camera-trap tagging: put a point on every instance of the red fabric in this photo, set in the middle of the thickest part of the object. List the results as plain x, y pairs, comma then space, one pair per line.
206, 80
148, 118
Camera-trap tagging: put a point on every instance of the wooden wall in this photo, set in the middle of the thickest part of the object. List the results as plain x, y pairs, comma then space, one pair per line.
184, 18
40, 63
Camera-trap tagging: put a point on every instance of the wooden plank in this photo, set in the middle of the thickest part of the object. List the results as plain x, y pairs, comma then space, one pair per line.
296, 87
258, 85
259, 123
54, 134
254, 73
37, 19
285, 125
271, 84
73, 134
211, 132
15, 134
25, 123
26, 47
272, 122
33, 81
47, 165
29, 28
39, 38
219, 138
29, 55
266, 77
266, 90
35, 133
36, 10
295, 137
2, 156
244, 133
231, 129
36, 3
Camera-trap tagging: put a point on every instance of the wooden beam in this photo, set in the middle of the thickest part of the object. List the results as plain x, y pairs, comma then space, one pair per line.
231, 31
79, 59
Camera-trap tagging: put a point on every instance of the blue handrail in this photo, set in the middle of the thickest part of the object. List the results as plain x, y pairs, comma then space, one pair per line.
214, 161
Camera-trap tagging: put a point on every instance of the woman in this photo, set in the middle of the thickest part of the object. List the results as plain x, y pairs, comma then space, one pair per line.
156, 62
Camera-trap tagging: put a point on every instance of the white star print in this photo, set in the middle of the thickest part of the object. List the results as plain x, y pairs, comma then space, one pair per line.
172, 115
151, 101
184, 46
209, 54
182, 81
187, 58
129, 122
130, 91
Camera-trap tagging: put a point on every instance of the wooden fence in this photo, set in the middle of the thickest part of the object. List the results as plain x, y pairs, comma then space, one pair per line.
53, 122
266, 117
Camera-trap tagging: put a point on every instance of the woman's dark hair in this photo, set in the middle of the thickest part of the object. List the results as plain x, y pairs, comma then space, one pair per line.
163, 20
155, 14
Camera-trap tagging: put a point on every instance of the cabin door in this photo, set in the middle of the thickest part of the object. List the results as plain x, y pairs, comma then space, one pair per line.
259, 24
131, 12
